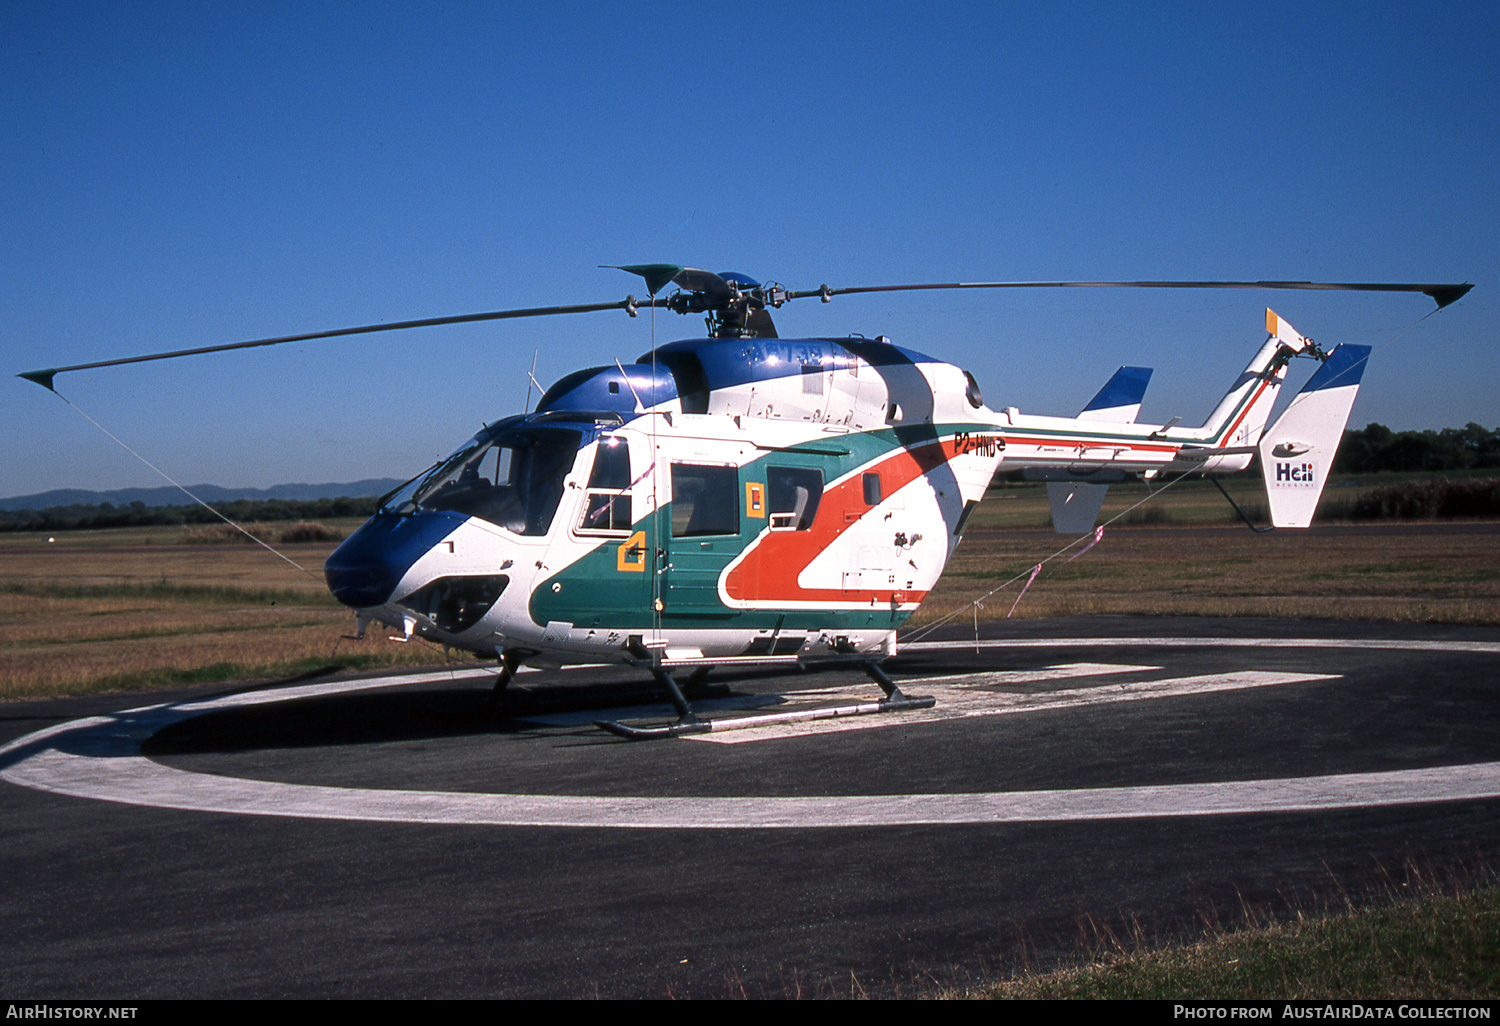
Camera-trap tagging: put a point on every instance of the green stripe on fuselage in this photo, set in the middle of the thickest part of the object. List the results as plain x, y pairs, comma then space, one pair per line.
594, 593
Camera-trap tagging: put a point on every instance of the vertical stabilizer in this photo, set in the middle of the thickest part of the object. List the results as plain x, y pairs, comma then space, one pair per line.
1119, 400
1296, 453
1242, 413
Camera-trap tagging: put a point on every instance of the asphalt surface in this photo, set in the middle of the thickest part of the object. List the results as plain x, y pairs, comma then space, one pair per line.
304, 892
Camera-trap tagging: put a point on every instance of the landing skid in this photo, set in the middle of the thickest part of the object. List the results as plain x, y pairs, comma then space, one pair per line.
688, 723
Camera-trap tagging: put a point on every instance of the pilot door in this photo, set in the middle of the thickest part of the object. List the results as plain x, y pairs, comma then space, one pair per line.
614, 583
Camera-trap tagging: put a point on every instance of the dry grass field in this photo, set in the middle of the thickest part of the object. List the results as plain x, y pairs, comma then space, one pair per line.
1418, 572
1186, 552
141, 608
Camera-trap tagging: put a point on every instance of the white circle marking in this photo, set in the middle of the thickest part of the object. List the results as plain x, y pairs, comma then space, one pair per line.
100, 758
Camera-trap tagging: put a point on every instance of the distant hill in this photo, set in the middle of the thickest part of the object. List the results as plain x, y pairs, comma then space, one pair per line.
208, 493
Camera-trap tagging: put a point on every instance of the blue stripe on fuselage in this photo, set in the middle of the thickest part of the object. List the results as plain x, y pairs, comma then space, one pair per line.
363, 572
728, 362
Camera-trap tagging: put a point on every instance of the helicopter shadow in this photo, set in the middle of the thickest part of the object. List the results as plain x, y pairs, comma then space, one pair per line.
417, 714
529, 710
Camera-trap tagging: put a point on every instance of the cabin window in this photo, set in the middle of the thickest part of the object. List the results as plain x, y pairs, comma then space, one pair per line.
606, 507
705, 500
872, 489
793, 493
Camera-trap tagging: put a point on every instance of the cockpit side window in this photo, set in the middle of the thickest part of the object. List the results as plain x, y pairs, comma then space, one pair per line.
611, 464
606, 507
511, 477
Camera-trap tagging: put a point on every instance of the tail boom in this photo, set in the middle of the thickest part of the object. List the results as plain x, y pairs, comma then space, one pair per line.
1079, 455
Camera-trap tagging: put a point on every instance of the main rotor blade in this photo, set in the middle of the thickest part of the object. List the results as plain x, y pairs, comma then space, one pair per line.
44, 377
1440, 294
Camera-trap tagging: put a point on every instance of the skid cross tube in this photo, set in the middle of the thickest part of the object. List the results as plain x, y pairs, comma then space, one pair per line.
688, 723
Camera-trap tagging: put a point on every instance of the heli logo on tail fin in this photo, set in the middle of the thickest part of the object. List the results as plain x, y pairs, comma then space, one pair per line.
1295, 474
1296, 453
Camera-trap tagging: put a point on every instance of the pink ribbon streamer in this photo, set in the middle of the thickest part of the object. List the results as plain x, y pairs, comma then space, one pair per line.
1098, 536
1034, 571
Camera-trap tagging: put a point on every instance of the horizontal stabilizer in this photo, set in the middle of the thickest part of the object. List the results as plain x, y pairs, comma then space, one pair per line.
1296, 453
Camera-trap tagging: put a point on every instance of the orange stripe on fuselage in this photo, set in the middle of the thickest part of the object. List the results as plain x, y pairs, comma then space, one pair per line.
769, 570
1118, 444
1108, 443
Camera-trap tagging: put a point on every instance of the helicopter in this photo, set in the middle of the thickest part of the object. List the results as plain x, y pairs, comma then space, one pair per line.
741, 499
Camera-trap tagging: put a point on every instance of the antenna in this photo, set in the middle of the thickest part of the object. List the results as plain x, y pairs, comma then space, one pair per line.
531, 376
639, 406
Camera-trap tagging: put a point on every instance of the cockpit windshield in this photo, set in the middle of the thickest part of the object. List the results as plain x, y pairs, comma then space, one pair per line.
511, 475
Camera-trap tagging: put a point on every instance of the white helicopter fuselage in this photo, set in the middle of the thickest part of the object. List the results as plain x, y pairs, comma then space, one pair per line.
727, 500
788, 515
744, 498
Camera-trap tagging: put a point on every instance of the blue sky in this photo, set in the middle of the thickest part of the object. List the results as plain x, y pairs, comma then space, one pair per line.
178, 175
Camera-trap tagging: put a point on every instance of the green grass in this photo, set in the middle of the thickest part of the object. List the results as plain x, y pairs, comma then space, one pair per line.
1443, 943
133, 608
143, 633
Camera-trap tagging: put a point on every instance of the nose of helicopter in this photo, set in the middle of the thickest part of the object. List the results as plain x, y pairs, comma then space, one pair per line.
364, 571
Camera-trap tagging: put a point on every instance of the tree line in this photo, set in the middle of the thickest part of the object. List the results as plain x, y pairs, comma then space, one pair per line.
1377, 448
82, 517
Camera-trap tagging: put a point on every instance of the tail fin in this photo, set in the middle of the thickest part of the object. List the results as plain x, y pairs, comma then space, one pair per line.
1120, 399
1297, 452
1242, 414
1076, 502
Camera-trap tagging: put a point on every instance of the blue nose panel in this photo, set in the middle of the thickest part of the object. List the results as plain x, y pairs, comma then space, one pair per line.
365, 569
